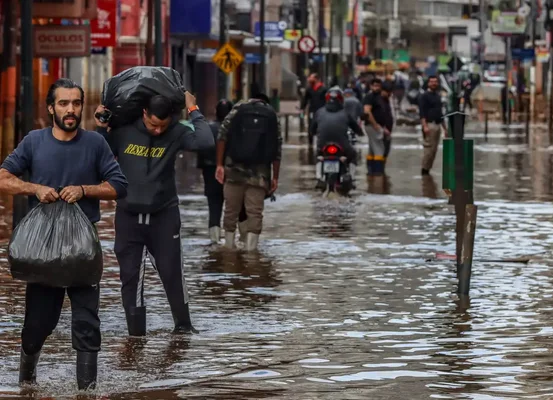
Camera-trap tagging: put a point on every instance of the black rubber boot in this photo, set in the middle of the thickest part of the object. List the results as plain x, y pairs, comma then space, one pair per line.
183, 324
27, 368
136, 321
87, 370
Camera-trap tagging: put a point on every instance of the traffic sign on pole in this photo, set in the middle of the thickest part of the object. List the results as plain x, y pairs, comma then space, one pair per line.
307, 44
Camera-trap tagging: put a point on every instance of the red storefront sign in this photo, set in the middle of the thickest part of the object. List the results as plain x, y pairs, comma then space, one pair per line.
61, 41
104, 27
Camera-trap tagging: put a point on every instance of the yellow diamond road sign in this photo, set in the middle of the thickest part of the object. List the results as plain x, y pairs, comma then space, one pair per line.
228, 58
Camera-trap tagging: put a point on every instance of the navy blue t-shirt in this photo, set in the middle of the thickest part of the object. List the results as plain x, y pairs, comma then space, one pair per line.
85, 160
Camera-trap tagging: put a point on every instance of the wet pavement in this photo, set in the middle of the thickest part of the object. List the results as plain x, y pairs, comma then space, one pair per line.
346, 299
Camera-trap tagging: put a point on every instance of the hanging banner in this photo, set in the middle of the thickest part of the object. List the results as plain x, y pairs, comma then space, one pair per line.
104, 27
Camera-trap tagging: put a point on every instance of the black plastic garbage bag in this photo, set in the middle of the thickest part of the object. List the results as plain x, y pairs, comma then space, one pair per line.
56, 245
127, 93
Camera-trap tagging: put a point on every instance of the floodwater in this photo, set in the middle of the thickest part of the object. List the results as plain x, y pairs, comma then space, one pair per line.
346, 298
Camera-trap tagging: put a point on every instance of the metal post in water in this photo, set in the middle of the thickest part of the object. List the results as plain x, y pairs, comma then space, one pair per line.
469, 232
486, 126
528, 107
286, 126
20, 205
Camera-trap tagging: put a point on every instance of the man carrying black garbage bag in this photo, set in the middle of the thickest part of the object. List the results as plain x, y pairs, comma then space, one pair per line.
147, 221
82, 163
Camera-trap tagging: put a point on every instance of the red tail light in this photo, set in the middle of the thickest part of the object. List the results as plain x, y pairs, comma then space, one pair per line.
332, 149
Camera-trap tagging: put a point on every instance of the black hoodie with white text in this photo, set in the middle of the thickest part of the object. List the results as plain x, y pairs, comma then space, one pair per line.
148, 161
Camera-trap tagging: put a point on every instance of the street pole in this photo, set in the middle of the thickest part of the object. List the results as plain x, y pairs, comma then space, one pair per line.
508, 70
222, 77
483, 21
353, 44
20, 205
341, 17
550, 89
262, 65
158, 35
304, 28
150, 34
320, 36
330, 65
533, 18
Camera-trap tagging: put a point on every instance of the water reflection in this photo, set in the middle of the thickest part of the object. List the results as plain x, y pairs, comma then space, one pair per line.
429, 187
234, 276
379, 184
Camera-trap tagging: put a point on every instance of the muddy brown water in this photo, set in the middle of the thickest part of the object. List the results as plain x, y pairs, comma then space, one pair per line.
345, 299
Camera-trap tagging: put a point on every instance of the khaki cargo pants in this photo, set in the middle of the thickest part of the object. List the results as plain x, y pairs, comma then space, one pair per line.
252, 197
431, 143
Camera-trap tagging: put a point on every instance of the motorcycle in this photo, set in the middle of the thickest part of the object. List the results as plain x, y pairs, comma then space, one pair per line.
335, 170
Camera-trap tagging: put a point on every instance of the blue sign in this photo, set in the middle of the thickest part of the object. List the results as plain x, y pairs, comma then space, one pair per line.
253, 58
190, 17
523, 54
274, 31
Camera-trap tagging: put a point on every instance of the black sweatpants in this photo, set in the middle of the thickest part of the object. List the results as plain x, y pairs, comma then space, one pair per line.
43, 305
215, 198
157, 237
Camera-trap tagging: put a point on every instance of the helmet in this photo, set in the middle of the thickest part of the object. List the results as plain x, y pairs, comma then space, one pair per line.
222, 108
334, 95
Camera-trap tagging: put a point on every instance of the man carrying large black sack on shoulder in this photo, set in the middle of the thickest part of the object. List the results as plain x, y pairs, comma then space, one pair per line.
249, 148
147, 222
82, 163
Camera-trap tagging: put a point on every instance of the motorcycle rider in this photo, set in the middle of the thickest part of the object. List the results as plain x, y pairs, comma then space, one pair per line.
331, 124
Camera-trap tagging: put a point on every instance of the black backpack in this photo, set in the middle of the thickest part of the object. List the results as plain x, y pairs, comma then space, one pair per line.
253, 134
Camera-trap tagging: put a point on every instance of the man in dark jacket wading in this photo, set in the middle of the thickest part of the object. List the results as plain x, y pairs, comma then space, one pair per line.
147, 222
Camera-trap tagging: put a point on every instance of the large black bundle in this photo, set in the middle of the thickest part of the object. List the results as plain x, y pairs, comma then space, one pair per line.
127, 93
56, 245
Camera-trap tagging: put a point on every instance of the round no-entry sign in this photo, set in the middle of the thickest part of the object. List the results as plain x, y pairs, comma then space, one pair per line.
306, 44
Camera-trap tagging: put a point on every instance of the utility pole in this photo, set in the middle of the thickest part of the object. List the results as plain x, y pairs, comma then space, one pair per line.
304, 28
353, 43
483, 22
222, 77
533, 18
330, 67
158, 35
320, 36
341, 60
149, 51
20, 205
262, 65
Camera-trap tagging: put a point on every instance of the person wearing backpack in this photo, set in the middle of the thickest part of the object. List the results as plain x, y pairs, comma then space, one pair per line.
249, 148
213, 190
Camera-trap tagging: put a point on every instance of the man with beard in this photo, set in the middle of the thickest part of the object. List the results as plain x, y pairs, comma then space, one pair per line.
82, 163
147, 221
432, 121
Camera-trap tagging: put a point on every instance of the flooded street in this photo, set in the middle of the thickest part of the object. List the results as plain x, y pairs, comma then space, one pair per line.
346, 298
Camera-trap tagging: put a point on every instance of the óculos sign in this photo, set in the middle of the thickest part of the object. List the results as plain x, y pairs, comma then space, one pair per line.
61, 41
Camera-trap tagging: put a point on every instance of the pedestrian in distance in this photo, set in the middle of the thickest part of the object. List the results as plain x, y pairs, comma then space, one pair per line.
213, 190
249, 148
380, 121
432, 121
63, 155
147, 222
